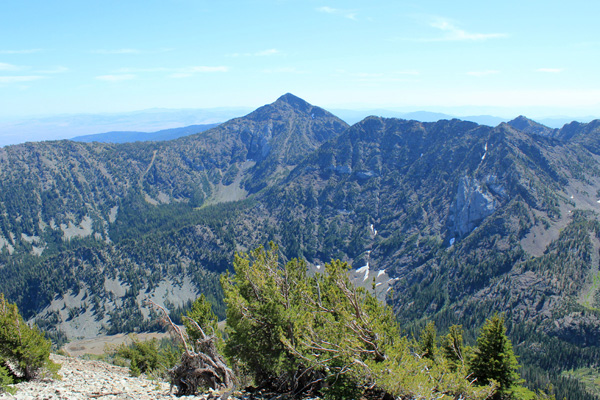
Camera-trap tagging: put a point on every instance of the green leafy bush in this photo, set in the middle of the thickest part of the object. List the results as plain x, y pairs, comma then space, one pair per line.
5, 379
299, 333
151, 357
24, 352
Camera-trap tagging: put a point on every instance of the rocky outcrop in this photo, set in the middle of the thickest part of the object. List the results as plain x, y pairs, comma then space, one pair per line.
579, 328
473, 203
82, 379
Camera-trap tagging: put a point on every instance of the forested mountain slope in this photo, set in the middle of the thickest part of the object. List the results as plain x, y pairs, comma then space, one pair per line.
448, 221
56, 191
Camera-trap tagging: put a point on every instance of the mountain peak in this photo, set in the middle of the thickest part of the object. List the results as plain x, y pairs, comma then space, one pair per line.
294, 101
527, 125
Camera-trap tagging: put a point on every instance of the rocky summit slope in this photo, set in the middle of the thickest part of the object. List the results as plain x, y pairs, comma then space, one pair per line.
84, 379
447, 221
87, 379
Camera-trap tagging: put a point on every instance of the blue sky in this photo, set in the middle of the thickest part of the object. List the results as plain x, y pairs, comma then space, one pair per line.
537, 56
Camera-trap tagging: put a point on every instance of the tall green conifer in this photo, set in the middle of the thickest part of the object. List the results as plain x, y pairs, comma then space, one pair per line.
494, 358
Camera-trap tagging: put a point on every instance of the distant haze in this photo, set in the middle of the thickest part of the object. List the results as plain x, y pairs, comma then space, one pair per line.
133, 125
499, 58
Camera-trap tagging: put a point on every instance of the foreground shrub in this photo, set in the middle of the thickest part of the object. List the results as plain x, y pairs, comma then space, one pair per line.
298, 333
150, 357
24, 352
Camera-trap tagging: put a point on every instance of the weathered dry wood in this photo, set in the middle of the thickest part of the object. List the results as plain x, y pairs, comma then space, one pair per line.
201, 365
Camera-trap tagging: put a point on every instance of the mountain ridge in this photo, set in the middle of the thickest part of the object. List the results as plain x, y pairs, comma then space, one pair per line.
449, 220
133, 136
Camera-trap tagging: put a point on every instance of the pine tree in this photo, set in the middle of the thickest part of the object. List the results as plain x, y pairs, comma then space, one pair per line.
494, 358
427, 341
452, 347
202, 313
21, 346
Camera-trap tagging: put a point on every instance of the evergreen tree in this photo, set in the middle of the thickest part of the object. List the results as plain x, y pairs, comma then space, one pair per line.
202, 313
23, 347
494, 358
427, 345
452, 347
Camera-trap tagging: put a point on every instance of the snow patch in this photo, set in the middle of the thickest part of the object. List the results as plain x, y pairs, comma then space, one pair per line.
363, 269
483, 156
380, 272
452, 241
373, 231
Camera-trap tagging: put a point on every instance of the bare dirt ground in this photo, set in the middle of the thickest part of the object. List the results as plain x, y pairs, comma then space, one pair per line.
96, 346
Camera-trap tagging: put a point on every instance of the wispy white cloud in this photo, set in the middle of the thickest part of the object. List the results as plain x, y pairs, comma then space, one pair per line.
268, 52
142, 70
407, 72
25, 51
54, 70
262, 53
116, 51
189, 72
177, 73
453, 33
550, 70
379, 77
207, 69
180, 75
20, 79
10, 67
480, 74
350, 14
284, 70
39, 74
116, 78
131, 51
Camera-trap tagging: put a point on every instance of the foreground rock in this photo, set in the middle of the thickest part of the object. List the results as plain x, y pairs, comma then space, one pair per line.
84, 379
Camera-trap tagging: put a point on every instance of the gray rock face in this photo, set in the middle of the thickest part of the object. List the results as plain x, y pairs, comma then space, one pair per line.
473, 204
577, 327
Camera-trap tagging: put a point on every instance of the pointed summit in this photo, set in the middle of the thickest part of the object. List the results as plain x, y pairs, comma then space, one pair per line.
527, 125
294, 101
263, 145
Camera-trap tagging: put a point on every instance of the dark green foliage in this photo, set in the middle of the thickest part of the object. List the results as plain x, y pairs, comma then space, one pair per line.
427, 341
452, 347
5, 379
23, 347
201, 313
404, 178
295, 333
151, 357
494, 359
